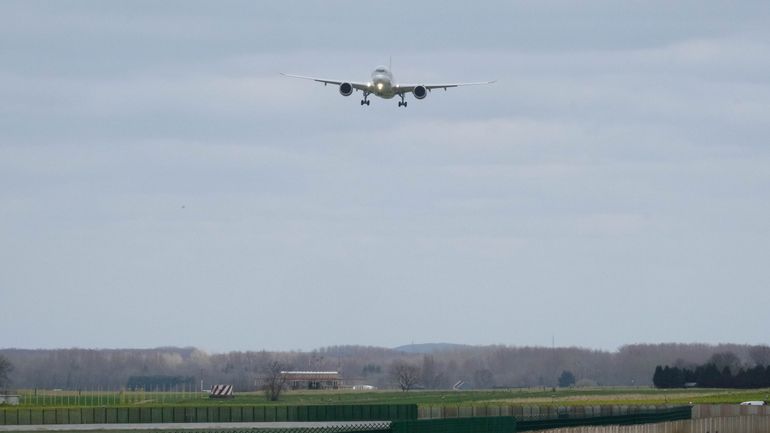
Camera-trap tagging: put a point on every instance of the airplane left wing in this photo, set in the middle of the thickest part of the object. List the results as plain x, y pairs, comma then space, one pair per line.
410, 87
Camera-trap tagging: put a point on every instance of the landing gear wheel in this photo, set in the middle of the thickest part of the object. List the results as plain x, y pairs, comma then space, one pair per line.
368, 102
404, 104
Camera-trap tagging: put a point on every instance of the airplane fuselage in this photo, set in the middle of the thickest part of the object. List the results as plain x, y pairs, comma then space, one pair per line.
382, 83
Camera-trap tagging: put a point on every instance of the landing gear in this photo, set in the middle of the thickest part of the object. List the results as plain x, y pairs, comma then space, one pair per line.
402, 103
366, 100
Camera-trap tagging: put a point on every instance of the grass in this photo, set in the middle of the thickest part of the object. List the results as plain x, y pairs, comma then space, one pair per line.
61, 398
539, 396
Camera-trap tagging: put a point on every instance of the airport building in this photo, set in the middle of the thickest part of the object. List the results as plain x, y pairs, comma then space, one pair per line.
312, 379
9, 399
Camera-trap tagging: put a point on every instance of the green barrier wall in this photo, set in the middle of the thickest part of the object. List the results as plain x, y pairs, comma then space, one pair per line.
404, 417
650, 417
148, 414
497, 424
363, 428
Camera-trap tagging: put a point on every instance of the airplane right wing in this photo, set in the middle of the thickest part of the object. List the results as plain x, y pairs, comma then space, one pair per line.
358, 86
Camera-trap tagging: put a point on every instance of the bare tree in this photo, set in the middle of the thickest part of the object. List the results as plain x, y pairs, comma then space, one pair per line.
5, 368
273, 380
483, 379
760, 355
724, 360
405, 374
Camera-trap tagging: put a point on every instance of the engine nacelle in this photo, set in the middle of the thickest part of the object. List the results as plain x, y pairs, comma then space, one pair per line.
420, 92
346, 89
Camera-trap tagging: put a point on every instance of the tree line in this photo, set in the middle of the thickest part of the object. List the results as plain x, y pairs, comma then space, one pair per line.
723, 369
438, 367
709, 376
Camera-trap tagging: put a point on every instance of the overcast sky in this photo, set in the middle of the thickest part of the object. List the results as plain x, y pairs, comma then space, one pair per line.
162, 184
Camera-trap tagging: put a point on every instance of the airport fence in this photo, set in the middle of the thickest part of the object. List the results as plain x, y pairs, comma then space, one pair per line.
732, 424
727, 410
185, 414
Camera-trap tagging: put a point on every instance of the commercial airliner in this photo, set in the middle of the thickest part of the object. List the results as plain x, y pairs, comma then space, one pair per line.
382, 85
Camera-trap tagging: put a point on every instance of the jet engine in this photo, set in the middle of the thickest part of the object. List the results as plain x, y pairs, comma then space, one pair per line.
420, 92
346, 89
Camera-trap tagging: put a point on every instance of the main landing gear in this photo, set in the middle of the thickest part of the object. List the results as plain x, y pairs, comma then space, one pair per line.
402, 103
366, 100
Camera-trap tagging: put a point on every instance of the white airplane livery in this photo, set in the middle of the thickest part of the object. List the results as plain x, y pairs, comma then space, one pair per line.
383, 85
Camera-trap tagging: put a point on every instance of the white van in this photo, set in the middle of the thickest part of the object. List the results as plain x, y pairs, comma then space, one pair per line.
754, 403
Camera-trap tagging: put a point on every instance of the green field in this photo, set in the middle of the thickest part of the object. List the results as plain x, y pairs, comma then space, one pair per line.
539, 396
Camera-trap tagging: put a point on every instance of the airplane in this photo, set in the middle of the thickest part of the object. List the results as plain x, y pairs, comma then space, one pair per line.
382, 85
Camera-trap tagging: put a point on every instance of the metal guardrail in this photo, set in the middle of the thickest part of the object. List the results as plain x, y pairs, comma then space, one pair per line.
496, 424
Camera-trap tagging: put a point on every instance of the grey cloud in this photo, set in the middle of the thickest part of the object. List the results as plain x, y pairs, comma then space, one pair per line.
156, 167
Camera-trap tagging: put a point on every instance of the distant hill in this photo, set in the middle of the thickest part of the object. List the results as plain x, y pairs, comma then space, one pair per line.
430, 347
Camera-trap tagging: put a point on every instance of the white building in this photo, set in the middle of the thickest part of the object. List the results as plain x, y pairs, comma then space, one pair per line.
10, 399
312, 379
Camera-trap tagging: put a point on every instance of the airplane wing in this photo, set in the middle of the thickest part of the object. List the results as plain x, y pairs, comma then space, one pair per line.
359, 86
401, 88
